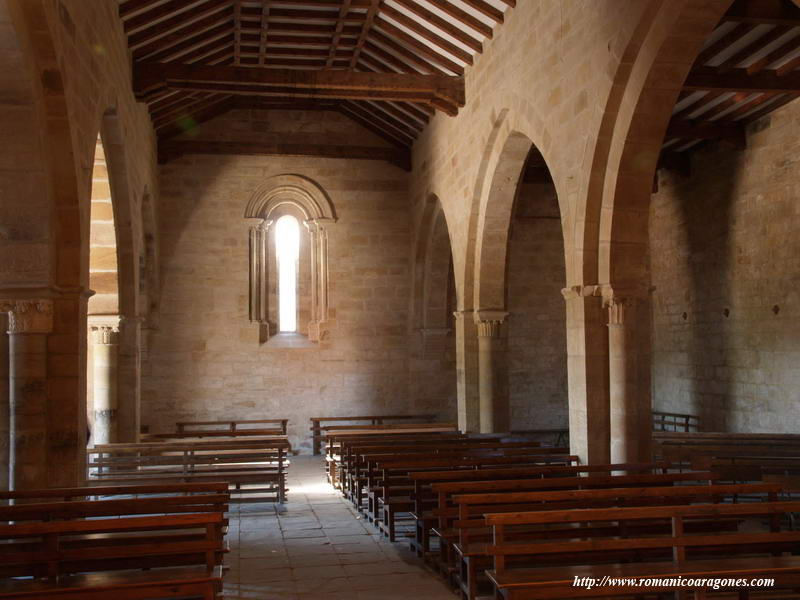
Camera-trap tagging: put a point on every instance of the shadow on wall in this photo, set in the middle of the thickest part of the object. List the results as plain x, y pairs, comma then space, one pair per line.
691, 256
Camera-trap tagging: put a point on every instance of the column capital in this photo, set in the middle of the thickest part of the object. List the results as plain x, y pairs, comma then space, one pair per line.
462, 314
618, 298
489, 322
28, 316
104, 328
581, 291
319, 223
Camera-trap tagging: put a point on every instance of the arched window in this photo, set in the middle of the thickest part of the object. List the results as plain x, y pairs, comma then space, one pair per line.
287, 262
287, 252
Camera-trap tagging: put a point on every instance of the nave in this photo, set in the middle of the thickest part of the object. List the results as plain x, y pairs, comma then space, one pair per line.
317, 546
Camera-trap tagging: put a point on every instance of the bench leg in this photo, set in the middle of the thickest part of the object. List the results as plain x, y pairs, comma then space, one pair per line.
388, 520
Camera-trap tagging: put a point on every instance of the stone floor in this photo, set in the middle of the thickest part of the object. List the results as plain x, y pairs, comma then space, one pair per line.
319, 548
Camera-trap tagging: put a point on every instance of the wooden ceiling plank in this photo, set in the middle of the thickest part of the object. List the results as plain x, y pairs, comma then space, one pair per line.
783, 100
694, 106
172, 99
774, 56
315, 15
179, 35
237, 31
424, 32
753, 47
723, 106
383, 120
365, 29
442, 24
423, 49
390, 136
213, 56
737, 80
463, 17
297, 40
414, 111
386, 57
279, 104
410, 55
788, 67
129, 7
397, 115
293, 27
177, 46
263, 35
774, 13
196, 103
747, 107
725, 41
167, 10
486, 9
400, 157
337, 34
196, 17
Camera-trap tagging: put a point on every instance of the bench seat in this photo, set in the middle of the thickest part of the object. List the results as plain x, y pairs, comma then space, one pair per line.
122, 585
557, 582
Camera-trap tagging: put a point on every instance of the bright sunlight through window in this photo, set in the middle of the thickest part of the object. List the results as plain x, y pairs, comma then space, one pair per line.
287, 246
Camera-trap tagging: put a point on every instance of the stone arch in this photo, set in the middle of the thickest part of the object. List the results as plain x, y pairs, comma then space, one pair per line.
669, 37
303, 192
433, 238
46, 282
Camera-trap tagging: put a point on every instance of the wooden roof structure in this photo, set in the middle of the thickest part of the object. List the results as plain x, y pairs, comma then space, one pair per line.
746, 69
385, 64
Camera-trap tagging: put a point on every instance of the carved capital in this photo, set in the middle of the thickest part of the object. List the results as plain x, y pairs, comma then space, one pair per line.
581, 291
462, 314
28, 316
105, 334
489, 322
616, 309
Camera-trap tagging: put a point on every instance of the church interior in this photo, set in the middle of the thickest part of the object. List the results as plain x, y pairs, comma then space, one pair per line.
399, 299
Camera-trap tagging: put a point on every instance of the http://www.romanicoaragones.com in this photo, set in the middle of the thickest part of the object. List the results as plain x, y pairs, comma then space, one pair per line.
672, 582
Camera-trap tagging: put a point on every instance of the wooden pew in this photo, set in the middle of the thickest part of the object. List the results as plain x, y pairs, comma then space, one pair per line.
316, 428
441, 486
90, 559
339, 447
694, 554
355, 471
132, 542
227, 429
389, 496
255, 469
473, 538
670, 421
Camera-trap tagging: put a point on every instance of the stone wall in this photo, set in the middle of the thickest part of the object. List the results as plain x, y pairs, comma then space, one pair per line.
726, 271
205, 361
537, 345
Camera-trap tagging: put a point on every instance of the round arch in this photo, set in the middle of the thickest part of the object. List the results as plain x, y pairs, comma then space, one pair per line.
303, 192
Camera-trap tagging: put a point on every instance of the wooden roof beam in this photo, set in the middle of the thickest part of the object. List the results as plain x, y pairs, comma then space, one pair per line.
778, 53
463, 17
443, 24
263, 33
211, 23
197, 17
387, 134
773, 12
365, 29
418, 46
706, 130
738, 80
424, 32
337, 34
485, 9
171, 149
445, 92
153, 14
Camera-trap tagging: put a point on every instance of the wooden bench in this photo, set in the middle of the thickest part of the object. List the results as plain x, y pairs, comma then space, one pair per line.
230, 429
255, 470
473, 537
756, 550
439, 487
134, 542
103, 558
316, 428
389, 494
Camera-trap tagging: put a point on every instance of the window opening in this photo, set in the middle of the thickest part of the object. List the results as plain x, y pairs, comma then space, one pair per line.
287, 250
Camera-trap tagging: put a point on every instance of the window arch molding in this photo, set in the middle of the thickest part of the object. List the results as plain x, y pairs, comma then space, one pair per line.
277, 196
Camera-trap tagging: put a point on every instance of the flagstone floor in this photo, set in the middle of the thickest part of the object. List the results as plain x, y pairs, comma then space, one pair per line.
319, 548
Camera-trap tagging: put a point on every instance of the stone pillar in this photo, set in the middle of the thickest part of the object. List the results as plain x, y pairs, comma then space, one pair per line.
105, 339
492, 372
587, 367
467, 371
29, 324
4, 403
129, 379
629, 381
318, 231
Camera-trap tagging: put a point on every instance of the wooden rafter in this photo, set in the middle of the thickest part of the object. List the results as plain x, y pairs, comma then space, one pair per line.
418, 47
447, 26
213, 22
171, 149
760, 12
463, 17
774, 55
153, 15
486, 9
263, 34
736, 80
444, 92
424, 32
762, 42
337, 33
195, 18
237, 31
362, 36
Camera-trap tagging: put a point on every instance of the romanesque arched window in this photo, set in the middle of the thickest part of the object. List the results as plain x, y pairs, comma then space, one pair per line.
289, 263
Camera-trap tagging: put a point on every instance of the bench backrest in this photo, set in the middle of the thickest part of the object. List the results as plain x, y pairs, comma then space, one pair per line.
76, 546
673, 539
